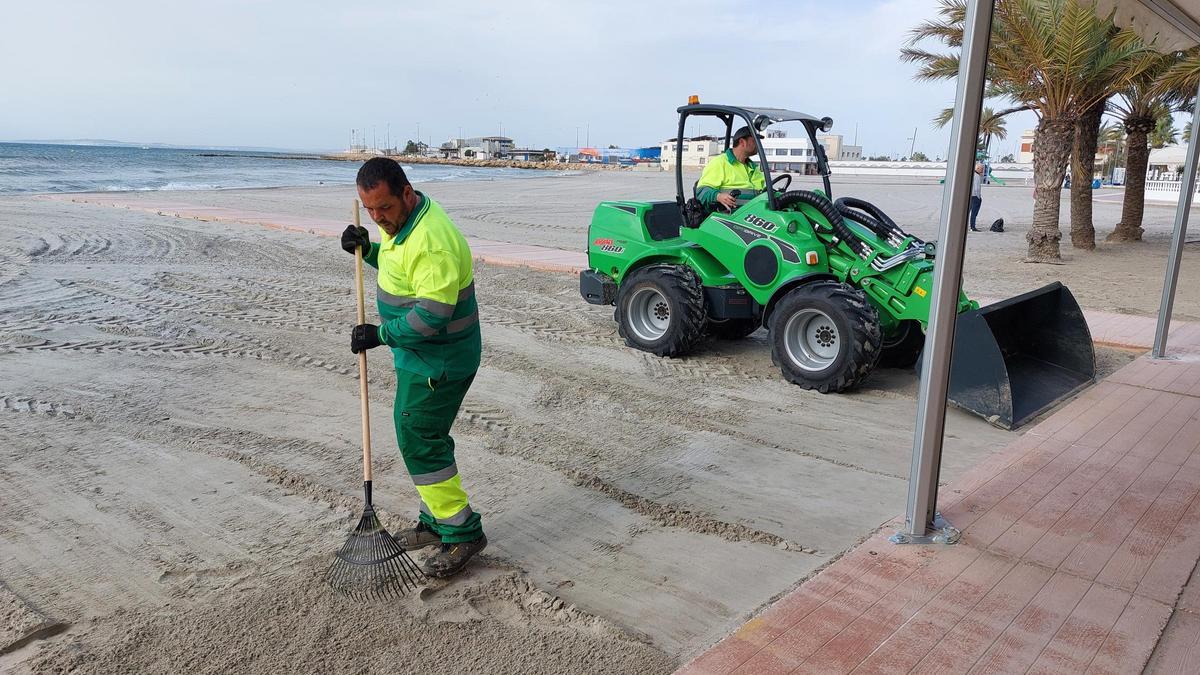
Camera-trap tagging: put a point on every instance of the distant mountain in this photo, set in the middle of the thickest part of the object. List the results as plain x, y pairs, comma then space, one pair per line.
103, 142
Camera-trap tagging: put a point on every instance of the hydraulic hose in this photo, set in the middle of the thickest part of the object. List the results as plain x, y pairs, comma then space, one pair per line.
877, 220
827, 209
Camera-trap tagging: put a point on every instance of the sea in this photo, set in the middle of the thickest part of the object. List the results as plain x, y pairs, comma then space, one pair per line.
43, 167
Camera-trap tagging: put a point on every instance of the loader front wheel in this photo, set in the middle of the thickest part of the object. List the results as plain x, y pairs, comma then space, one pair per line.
903, 348
825, 336
660, 309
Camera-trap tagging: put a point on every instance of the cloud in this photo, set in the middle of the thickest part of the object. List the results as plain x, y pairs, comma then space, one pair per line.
302, 73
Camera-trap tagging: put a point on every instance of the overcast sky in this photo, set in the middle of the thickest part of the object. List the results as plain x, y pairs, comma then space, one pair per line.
300, 74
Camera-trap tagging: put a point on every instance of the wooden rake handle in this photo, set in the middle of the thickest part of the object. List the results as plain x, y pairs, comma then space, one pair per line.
362, 356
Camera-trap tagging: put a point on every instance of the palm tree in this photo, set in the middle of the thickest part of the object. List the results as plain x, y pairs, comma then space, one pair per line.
1164, 133
1047, 55
1083, 167
1140, 104
1112, 138
992, 125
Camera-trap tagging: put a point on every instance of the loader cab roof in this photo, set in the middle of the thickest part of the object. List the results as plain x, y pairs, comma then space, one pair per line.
769, 115
759, 119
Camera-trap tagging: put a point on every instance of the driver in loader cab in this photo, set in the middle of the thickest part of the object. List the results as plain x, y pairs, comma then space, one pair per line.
732, 170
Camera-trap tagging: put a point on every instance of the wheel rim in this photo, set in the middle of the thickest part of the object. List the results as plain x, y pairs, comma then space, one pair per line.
811, 339
649, 314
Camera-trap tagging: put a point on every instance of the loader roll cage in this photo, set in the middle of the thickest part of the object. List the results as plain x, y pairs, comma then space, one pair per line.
757, 119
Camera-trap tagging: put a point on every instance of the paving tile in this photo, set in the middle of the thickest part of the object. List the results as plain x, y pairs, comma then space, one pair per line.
971, 507
1183, 445
1021, 499
928, 628
1118, 418
988, 469
1071, 412
1162, 406
1131, 641
1073, 527
1179, 649
729, 654
1129, 563
1168, 576
818, 627
1104, 413
855, 642
1098, 545
1081, 635
1019, 646
1159, 437
1043, 515
975, 632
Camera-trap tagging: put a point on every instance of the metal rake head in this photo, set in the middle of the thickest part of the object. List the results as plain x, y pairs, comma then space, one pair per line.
371, 565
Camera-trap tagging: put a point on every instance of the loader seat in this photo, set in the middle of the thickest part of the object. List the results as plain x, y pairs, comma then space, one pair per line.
663, 220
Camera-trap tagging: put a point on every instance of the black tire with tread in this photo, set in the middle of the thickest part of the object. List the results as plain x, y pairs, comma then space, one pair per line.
857, 322
685, 299
903, 350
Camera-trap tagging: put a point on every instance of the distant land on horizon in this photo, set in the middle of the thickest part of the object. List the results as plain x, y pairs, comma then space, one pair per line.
108, 143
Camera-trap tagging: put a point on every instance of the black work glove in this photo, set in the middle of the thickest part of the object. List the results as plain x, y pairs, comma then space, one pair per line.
354, 237
363, 337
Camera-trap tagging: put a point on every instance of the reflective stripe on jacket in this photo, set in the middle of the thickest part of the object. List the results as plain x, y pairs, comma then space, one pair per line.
426, 295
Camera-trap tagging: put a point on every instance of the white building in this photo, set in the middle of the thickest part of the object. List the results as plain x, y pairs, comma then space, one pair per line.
1025, 156
696, 151
793, 155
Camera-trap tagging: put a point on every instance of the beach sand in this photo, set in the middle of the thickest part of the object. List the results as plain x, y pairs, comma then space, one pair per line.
179, 448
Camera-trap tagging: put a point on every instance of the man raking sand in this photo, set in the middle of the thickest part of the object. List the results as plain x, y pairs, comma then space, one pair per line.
426, 302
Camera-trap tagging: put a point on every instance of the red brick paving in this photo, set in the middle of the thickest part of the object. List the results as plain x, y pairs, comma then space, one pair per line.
1077, 555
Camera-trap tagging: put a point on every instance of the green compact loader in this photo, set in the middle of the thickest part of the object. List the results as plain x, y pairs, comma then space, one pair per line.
840, 287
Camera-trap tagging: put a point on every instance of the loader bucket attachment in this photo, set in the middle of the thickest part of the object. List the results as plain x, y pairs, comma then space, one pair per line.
1018, 357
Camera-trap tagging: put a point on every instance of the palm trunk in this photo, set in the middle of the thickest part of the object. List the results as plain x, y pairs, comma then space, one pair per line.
1083, 165
1051, 151
1137, 161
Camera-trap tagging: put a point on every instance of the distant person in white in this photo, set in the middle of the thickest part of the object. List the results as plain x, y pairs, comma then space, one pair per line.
976, 193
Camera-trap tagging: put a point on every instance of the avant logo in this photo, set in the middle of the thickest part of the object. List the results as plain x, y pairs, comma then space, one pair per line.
608, 246
761, 222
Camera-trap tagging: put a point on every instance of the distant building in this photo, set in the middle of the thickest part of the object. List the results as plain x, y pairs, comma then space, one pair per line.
793, 155
696, 151
531, 155
1166, 163
1025, 156
836, 150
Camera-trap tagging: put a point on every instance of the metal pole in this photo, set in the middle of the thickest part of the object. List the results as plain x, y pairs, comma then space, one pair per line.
947, 280
1187, 189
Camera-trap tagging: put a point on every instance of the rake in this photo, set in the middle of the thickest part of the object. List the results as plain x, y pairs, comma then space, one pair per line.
371, 564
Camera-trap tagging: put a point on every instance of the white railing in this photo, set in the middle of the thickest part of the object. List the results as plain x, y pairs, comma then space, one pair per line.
1164, 190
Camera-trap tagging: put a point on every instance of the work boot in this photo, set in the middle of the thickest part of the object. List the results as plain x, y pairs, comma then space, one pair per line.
417, 537
453, 557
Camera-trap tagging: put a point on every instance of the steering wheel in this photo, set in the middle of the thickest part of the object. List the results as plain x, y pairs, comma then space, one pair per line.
787, 182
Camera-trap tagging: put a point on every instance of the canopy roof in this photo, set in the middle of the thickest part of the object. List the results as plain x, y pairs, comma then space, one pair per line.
1170, 25
774, 114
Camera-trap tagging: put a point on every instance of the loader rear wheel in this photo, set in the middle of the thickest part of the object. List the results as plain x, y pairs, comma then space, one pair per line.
733, 329
660, 309
825, 336
903, 348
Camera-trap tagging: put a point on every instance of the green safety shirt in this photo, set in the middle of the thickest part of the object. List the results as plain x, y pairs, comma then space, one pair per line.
426, 295
724, 172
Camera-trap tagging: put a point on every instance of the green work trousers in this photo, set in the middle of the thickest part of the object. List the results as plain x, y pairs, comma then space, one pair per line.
424, 412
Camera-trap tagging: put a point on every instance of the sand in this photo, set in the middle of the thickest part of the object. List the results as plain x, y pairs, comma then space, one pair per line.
179, 450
